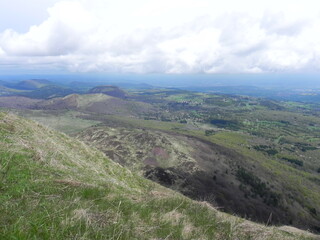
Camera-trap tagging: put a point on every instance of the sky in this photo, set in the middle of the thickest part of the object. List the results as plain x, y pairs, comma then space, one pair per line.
166, 37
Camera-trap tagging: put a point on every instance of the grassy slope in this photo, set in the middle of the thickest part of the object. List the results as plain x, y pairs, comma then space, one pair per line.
54, 187
288, 180
297, 185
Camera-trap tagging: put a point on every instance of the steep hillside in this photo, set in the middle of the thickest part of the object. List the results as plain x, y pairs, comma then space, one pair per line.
202, 169
55, 187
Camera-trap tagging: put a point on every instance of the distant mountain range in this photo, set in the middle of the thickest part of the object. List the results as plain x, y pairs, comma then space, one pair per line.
282, 90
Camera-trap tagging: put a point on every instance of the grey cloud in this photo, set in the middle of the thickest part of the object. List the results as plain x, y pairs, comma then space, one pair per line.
233, 42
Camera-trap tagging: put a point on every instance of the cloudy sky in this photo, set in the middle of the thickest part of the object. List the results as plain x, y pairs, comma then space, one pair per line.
153, 36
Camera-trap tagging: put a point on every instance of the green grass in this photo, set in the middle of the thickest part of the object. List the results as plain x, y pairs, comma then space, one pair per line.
54, 187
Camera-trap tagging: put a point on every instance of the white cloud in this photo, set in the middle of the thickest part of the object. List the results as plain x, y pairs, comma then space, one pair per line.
67, 28
176, 36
